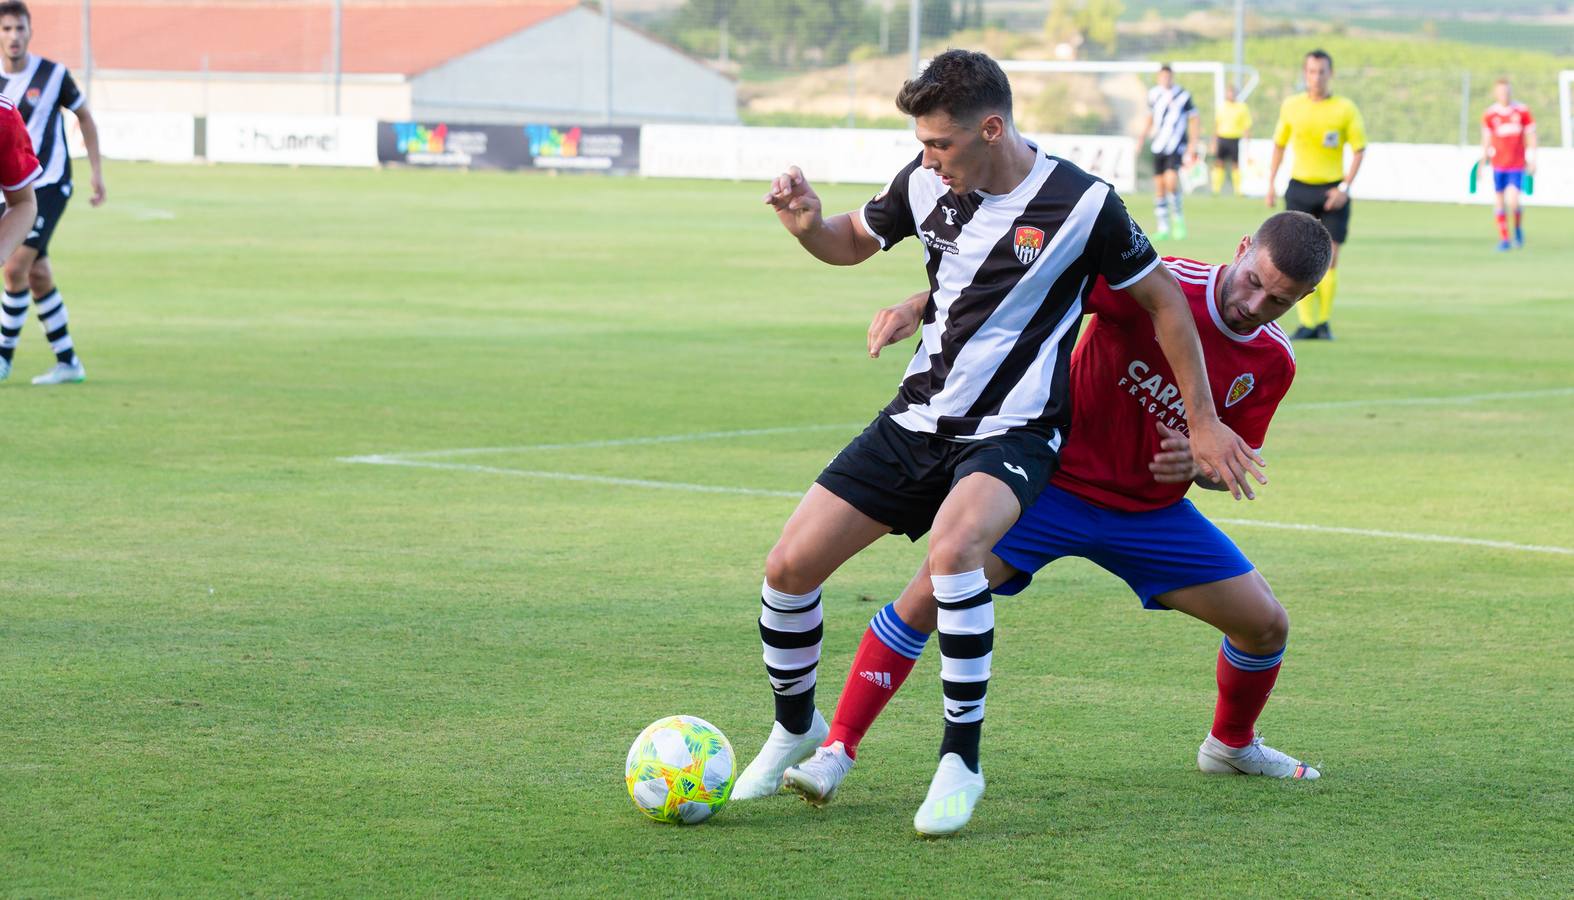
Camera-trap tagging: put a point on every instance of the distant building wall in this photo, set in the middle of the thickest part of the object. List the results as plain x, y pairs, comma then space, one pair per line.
557, 72
377, 96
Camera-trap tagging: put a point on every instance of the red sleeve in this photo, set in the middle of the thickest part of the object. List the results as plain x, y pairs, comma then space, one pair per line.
1529, 119
1110, 305
1250, 420
18, 166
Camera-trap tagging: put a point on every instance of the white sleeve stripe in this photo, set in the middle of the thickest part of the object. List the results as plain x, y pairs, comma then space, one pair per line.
37, 171
864, 218
81, 99
1137, 277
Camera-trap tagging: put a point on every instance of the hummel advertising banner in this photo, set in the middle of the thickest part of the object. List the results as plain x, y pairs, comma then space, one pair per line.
292, 140
572, 147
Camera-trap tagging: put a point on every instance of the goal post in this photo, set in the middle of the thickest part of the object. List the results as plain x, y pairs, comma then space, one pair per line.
1219, 71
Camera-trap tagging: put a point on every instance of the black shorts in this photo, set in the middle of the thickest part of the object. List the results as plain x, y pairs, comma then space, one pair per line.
1166, 162
1229, 150
1308, 198
51, 206
899, 478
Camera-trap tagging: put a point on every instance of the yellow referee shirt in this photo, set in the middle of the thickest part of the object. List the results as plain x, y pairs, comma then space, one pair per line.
1233, 120
1317, 131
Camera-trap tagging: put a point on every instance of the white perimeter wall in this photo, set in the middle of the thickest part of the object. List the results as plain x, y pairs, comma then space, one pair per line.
853, 155
378, 96
1417, 172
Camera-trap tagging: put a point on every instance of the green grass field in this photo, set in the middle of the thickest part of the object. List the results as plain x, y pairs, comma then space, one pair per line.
231, 663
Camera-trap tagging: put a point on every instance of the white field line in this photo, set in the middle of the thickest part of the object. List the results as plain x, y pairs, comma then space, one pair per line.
616, 442
1400, 536
423, 460
1457, 399
761, 492
570, 476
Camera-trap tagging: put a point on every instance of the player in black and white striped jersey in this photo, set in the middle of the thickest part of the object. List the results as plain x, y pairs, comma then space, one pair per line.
1172, 123
42, 89
1013, 241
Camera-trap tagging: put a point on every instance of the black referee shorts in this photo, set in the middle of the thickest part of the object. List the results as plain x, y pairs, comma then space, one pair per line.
1309, 198
899, 478
1229, 150
51, 206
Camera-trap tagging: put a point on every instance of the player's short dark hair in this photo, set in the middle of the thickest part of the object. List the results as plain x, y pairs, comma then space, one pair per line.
960, 83
1165, 67
15, 8
1322, 54
1297, 244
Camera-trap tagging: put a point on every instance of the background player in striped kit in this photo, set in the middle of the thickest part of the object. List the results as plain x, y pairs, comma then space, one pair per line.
1013, 239
41, 89
1118, 499
1172, 122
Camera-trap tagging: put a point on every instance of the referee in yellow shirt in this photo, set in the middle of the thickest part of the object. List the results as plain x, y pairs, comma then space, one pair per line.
1231, 125
1319, 126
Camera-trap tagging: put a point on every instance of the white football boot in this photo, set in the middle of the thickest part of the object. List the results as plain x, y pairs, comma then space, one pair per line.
952, 795
63, 373
1218, 758
817, 778
782, 749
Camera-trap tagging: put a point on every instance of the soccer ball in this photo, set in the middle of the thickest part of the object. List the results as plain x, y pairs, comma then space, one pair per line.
680, 770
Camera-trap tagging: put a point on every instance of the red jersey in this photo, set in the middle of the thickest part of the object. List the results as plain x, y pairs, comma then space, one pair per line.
1508, 125
18, 166
1121, 385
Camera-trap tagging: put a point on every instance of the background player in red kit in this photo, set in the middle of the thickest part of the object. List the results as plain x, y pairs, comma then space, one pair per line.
1119, 497
1507, 132
19, 168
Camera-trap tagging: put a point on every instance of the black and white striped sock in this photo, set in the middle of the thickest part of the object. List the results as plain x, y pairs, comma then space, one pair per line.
790, 629
51, 311
13, 314
967, 645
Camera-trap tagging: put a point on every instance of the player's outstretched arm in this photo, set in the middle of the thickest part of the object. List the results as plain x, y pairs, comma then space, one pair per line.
1220, 453
840, 241
21, 208
896, 323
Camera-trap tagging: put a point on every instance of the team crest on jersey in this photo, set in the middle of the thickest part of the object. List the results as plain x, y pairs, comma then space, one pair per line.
33, 94
1243, 385
1029, 242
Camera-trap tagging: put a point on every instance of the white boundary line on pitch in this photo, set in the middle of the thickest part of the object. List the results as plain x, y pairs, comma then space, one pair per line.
1433, 401
376, 460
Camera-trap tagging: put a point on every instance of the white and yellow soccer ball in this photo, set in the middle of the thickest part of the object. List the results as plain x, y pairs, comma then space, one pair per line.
680, 770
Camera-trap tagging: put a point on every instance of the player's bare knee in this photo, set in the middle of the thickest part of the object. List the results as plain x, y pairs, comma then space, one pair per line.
786, 570
40, 279
953, 555
1272, 630
17, 274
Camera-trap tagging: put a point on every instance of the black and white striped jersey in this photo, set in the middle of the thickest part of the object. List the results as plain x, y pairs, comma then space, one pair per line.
40, 92
1007, 277
1172, 109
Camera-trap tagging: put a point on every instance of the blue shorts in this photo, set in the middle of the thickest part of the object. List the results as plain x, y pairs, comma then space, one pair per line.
1503, 179
1153, 552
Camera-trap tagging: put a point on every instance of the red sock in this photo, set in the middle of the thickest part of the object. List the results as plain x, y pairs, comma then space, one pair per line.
876, 674
1502, 224
1519, 216
1242, 695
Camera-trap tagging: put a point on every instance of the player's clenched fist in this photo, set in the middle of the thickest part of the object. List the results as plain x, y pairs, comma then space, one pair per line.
795, 202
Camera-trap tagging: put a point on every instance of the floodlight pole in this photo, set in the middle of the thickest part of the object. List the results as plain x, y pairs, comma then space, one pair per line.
87, 45
606, 8
1240, 43
914, 30
1566, 120
338, 53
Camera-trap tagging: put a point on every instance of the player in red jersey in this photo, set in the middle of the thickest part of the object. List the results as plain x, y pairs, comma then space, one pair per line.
19, 168
1119, 497
1508, 145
